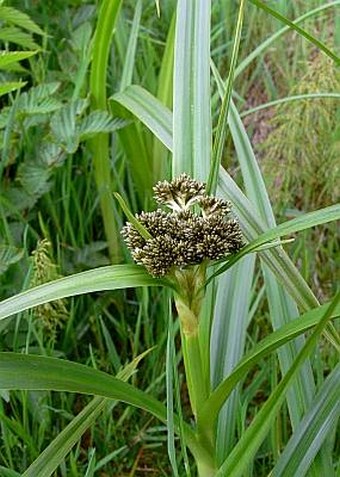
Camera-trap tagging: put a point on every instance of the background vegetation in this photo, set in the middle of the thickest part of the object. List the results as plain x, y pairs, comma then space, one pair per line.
58, 214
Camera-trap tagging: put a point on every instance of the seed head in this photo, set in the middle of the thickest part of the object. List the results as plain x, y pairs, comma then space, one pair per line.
183, 237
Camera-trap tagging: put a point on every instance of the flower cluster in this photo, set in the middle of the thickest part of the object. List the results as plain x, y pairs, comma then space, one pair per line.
183, 236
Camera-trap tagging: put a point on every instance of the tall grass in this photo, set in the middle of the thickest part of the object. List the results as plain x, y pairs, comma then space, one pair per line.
258, 392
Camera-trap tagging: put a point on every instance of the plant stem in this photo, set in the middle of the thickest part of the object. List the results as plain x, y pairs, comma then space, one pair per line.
100, 144
205, 470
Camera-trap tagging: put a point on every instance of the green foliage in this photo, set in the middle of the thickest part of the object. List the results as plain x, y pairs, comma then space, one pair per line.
257, 391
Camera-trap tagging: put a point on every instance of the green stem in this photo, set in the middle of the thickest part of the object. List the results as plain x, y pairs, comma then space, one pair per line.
204, 469
194, 371
100, 144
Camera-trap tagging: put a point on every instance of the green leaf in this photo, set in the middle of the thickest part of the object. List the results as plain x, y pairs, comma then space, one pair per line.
96, 122
55, 453
130, 59
268, 345
99, 279
148, 110
9, 255
227, 343
222, 124
9, 57
288, 99
138, 226
260, 49
321, 46
243, 453
63, 124
306, 221
16, 17
18, 37
8, 87
39, 100
314, 428
19, 371
4, 472
191, 108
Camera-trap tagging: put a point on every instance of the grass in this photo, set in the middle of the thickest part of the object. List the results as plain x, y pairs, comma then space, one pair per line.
270, 393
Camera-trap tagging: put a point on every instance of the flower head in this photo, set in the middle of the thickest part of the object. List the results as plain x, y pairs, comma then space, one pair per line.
183, 236
180, 193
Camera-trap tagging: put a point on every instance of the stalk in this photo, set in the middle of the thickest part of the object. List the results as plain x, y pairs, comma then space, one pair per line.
189, 304
100, 144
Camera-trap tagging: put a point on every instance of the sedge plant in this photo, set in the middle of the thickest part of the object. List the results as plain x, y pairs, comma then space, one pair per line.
201, 245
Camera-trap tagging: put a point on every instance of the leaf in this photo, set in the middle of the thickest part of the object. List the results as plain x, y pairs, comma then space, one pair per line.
148, 110
306, 221
227, 343
288, 99
9, 57
8, 87
96, 122
260, 49
321, 46
268, 345
99, 279
4, 472
222, 124
34, 178
130, 59
18, 37
55, 453
19, 371
191, 96
16, 17
138, 226
63, 124
244, 451
39, 100
314, 428
8, 256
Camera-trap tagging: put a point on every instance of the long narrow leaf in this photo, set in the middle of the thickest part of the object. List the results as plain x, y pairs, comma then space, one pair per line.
306, 441
191, 118
221, 130
244, 451
321, 46
262, 47
268, 345
98, 279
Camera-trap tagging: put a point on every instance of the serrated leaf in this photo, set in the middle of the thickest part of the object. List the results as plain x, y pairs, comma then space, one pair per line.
17, 36
34, 178
16, 17
63, 125
97, 122
8, 256
9, 57
11, 86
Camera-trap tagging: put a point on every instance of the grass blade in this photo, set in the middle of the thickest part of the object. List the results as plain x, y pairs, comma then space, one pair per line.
103, 278
222, 124
191, 118
54, 454
251, 440
306, 441
228, 341
268, 345
148, 110
321, 46
100, 144
260, 49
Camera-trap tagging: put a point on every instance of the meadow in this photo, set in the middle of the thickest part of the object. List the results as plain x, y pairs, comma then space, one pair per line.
169, 253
